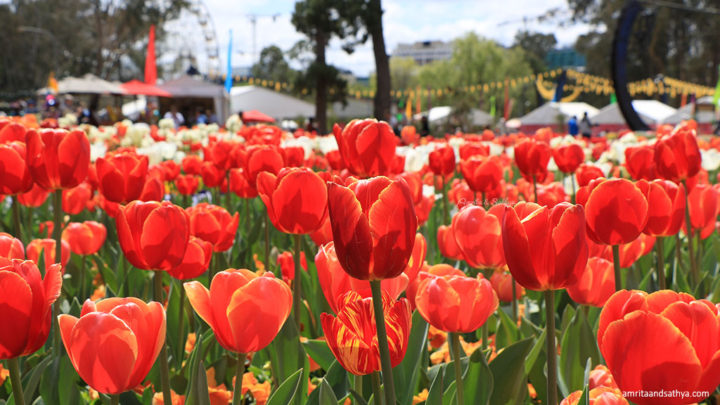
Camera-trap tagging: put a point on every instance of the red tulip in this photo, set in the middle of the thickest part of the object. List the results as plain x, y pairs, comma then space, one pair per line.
171, 170
367, 147
219, 154
677, 156
287, 265
15, 176
616, 211
568, 157
470, 149
121, 176
456, 303
76, 199
352, 335
478, 235
153, 235
439, 270
26, 306
12, 131
585, 173
212, 175
196, 260
293, 156
33, 198
262, 159
212, 223
640, 162
58, 159
661, 341
296, 199
703, 200
240, 186
373, 223
187, 184
84, 238
447, 244
482, 174
545, 248
666, 207
502, 283
244, 310
10, 248
595, 285
192, 164
114, 343
532, 158
46, 247
442, 161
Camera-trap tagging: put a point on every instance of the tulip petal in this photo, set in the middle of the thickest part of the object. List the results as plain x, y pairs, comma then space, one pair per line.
16, 302
351, 231
199, 298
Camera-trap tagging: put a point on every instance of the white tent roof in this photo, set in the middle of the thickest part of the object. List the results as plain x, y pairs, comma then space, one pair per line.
651, 111
547, 114
189, 86
87, 84
686, 112
272, 103
478, 117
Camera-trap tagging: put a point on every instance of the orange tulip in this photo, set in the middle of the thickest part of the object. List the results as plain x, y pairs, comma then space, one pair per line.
84, 238
666, 206
545, 247
46, 247
76, 199
212, 223
373, 223
597, 396
352, 335
478, 235
456, 303
114, 343
25, 306
661, 341
153, 235
58, 159
121, 176
595, 285
196, 260
367, 147
10, 248
296, 199
502, 284
244, 310
447, 244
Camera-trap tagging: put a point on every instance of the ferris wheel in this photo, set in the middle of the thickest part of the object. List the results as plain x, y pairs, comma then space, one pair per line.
190, 42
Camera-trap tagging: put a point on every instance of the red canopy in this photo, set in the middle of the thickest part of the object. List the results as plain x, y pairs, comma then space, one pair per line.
256, 116
139, 88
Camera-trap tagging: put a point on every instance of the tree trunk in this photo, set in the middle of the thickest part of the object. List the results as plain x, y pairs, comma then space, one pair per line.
321, 84
381, 107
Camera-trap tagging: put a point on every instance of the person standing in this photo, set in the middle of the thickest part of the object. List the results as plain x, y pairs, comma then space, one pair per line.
573, 126
585, 126
176, 116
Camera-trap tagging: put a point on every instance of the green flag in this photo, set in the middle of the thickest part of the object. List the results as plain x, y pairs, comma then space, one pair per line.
613, 98
492, 106
716, 97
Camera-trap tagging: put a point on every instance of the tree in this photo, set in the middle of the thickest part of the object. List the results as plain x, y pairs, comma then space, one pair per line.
74, 37
273, 66
320, 20
536, 45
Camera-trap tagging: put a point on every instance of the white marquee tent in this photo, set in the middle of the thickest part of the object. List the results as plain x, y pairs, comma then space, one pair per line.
272, 103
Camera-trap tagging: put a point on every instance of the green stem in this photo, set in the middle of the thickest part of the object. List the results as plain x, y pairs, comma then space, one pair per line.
358, 387
616, 267
297, 283
163, 357
514, 299
227, 192
247, 219
186, 201
115, 399
688, 224
458, 367
484, 204
16, 219
16, 382
377, 395
239, 371
383, 342
659, 246
82, 277
551, 347
484, 332
57, 235
181, 332
446, 215
572, 181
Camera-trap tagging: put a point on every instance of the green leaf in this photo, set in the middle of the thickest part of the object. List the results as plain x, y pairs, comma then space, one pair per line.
478, 383
407, 373
33, 378
507, 330
287, 355
327, 396
508, 370
285, 394
435, 393
197, 393
578, 345
449, 395
320, 352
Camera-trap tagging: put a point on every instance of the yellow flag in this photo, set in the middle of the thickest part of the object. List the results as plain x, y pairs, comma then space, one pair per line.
408, 107
52, 82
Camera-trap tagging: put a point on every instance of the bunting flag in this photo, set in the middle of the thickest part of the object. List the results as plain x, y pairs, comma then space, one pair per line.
228, 76
613, 98
492, 106
683, 100
418, 107
52, 82
150, 67
716, 96
408, 108
506, 103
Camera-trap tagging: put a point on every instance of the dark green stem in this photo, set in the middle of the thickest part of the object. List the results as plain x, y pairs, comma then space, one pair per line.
551, 347
572, 181
389, 385
514, 299
691, 250
163, 357
181, 326
186, 201
484, 332
484, 201
239, 371
297, 284
115, 399
57, 235
227, 192
458, 367
446, 215
16, 382
17, 222
616, 267
659, 246
377, 395
358, 387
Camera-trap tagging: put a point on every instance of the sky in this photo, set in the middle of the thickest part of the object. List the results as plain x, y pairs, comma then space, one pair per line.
404, 21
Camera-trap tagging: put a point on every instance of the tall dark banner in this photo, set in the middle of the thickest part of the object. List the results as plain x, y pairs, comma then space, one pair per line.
619, 65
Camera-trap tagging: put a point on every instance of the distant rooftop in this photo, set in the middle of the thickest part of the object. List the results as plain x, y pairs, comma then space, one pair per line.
424, 51
565, 58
